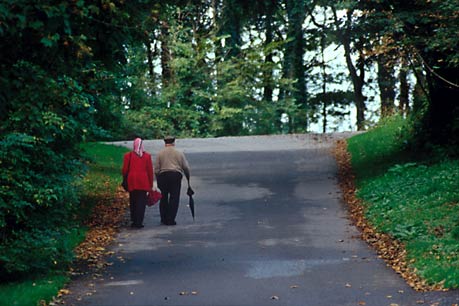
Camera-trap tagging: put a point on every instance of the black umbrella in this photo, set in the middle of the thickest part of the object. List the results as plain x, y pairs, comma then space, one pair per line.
190, 193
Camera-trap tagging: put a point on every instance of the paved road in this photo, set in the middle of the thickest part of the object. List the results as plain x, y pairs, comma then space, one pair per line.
270, 230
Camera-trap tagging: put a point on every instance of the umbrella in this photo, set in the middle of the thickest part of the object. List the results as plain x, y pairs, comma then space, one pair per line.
190, 193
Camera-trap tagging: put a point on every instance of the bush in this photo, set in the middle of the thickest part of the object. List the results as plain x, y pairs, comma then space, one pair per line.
38, 198
39, 155
35, 250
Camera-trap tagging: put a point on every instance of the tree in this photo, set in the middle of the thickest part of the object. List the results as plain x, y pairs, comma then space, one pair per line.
427, 32
59, 74
404, 102
386, 82
352, 39
294, 67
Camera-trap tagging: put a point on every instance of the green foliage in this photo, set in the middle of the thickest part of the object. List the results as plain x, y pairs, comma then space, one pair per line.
373, 153
36, 251
414, 200
38, 198
208, 95
425, 31
59, 76
49, 250
418, 205
32, 291
240, 108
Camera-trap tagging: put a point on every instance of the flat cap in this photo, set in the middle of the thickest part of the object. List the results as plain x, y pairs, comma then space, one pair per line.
169, 139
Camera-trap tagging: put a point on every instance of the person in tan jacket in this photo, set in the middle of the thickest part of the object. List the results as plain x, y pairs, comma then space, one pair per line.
170, 167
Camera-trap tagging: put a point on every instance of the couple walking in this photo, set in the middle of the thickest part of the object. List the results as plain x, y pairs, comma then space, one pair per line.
170, 166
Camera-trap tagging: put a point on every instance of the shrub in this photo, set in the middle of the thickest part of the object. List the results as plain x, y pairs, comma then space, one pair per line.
39, 155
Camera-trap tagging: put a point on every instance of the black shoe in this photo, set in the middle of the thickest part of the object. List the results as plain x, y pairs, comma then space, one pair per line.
137, 225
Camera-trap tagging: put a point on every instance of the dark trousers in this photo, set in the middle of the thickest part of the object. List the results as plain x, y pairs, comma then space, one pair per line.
169, 183
137, 202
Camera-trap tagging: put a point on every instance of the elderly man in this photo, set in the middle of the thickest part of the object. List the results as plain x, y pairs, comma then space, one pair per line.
170, 166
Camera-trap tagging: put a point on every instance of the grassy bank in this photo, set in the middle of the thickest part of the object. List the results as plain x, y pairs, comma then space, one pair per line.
412, 197
98, 185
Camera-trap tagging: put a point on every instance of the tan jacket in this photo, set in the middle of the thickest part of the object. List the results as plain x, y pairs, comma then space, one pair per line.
171, 159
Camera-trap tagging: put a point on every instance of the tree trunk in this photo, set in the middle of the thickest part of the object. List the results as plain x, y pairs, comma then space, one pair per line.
231, 26
150, 58
386, 82
268, 74
165, 54
324, 81
357, 73
294, 64
404, 106
442, 119
357, 83
358, 87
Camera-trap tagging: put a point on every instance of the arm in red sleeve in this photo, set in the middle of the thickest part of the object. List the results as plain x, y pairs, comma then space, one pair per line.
126, 160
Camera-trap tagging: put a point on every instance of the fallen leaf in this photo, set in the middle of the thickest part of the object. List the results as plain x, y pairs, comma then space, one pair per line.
63, 292
420, 302
391, 250
362, 303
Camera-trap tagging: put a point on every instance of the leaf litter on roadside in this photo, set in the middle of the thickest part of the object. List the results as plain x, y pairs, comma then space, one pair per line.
389, 249
104, 224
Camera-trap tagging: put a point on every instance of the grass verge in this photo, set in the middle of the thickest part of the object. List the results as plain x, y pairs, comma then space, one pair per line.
413, 199
98, 192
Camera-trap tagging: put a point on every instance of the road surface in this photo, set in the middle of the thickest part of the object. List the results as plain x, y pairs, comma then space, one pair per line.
270, 229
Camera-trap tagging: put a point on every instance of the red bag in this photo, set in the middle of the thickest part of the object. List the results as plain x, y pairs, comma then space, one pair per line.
153, 197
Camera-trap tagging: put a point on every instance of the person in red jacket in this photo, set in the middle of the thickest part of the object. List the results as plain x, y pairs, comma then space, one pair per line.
138, 167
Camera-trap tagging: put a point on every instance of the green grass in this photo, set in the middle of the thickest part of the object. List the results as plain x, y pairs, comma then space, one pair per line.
105, 167
31, 292
102, 179
372, 153
416, 200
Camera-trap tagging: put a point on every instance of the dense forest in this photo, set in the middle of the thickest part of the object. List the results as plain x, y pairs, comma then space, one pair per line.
74, 71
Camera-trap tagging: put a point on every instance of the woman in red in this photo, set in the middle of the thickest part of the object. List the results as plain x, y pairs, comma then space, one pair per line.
139, 169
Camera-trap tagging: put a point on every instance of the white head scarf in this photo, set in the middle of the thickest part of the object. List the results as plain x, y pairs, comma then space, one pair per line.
138, 147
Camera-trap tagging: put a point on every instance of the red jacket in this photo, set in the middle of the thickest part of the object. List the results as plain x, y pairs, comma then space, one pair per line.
140, 176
